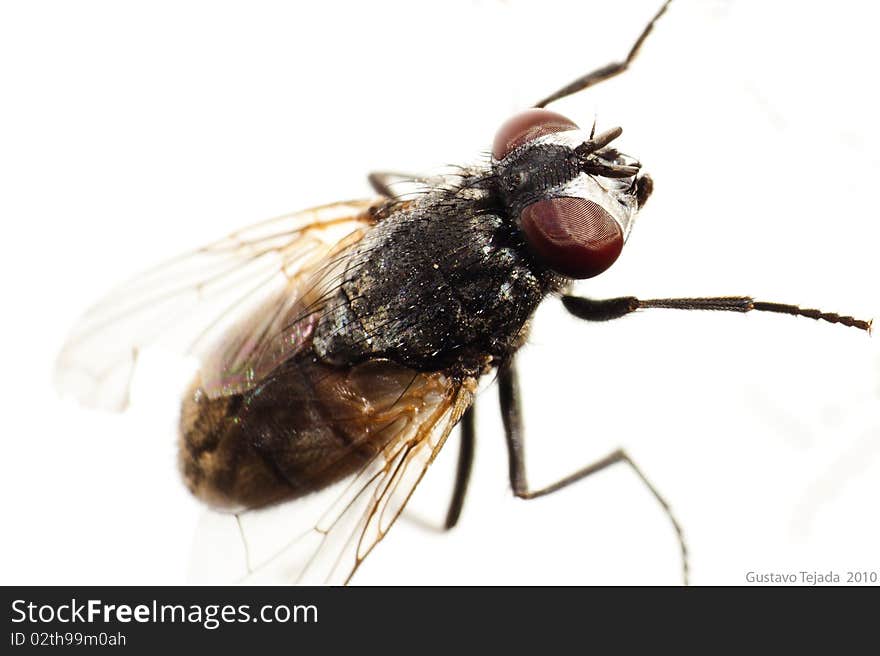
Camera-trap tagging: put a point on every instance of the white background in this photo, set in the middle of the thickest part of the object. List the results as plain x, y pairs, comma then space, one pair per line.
131, 131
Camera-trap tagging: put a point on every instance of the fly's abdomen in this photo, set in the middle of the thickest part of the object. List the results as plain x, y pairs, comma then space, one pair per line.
308, 425
218, 465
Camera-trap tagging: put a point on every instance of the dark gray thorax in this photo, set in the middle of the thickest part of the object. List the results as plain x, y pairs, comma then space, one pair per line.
438, 285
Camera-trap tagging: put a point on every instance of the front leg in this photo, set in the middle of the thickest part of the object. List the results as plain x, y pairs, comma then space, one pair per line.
608, 71
613, 308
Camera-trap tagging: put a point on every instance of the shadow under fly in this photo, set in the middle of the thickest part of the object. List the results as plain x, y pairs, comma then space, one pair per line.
339, 346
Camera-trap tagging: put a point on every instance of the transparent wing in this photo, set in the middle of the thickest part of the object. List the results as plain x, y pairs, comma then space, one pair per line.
363, 507
239, 305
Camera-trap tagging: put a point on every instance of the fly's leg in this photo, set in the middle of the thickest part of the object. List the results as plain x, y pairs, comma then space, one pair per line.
465, 464
383, 182
509, 397
608, 71
462, 478
614, 308
244, 543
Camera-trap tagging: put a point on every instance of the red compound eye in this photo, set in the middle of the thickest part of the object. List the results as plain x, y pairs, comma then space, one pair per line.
527, 126
574, 236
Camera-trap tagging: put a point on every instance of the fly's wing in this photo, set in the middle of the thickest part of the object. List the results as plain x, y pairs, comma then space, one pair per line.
338, 527
239, 305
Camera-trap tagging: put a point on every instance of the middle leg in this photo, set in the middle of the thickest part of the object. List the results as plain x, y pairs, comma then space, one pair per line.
509, 397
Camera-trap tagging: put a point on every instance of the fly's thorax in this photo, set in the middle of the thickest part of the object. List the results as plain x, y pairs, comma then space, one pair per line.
440, 286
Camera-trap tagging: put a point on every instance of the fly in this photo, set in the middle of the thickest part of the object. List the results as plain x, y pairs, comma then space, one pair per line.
339, 346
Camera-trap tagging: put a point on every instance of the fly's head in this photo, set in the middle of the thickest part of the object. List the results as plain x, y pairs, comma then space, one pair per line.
573, 196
